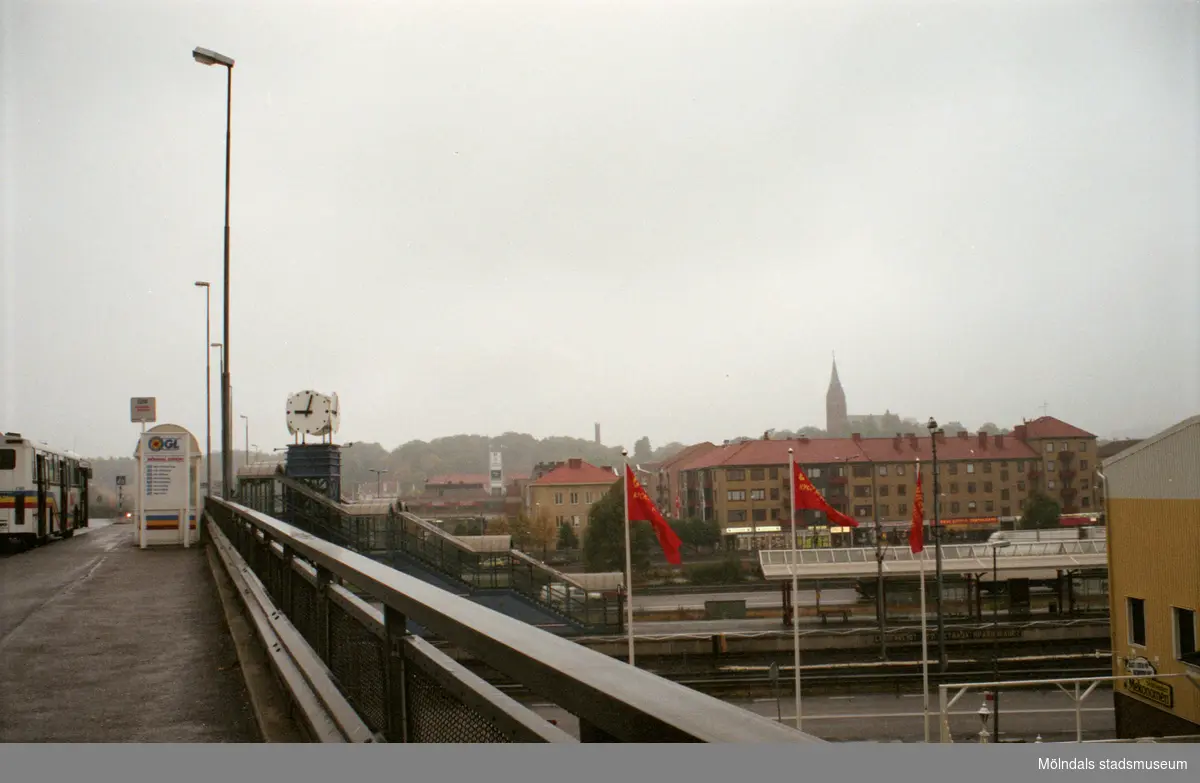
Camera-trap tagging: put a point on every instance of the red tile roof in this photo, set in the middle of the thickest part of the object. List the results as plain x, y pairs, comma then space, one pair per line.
576, 471
951, 447
808, 451
1050, 427
685, 455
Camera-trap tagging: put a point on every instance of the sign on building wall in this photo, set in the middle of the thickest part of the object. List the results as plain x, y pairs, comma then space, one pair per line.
165, 475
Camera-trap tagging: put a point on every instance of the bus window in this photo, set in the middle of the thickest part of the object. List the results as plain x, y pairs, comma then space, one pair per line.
8, 459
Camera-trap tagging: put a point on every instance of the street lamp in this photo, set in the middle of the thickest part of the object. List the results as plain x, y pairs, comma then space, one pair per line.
378, 481
937, 543
209, 57
247, 420
224, 486
996, 547
207, 381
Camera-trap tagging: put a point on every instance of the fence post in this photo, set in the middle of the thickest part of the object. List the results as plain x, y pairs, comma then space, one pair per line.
395, 692
1078, 714
944, 714
325, 619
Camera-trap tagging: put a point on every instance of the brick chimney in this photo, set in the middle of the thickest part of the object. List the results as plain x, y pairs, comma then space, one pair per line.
1019, 432
857, 437
962, 434
999, 441
982, 440
897, 442
575, 463
802, 440
912, 440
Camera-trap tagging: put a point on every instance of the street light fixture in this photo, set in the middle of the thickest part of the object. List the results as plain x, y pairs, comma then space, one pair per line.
207, 381
209, 57
937, 543
996, 546
984, 713
378, 481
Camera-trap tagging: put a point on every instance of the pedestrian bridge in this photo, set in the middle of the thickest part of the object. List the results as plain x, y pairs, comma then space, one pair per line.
269, 632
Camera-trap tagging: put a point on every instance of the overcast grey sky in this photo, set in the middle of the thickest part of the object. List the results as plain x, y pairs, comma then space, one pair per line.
479, 217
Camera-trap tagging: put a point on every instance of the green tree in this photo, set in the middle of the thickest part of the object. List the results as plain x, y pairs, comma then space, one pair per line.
641, 450
567, 538
990, 429
1040, 512
696, 533
604, 541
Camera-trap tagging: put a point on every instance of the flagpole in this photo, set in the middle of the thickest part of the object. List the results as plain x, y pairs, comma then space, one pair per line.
628, 556
924, 630
795, 591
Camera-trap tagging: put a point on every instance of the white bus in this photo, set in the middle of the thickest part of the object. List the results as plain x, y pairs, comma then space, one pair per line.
43, 491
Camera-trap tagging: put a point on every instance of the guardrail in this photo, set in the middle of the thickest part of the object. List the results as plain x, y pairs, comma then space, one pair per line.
407, 690
392, 535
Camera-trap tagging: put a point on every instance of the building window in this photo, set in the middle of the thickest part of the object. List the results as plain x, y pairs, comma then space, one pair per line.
558, 498
774, 493
737, 516
954, 507
1004, 494
574, 498
902, 509
757, 474
774, 473
1087, 502
814, 473
883, 510
970, 487
1136, 610
883, 470
1004, 475
558, 520
1020, 486
954, 488
883, 491
862, 491
1049, 466
1083, 464
899, 470
862, 471
989, 506
836, 471
735, 475
987, 486
970, 467
987, 467
1050, 484
760, 515
1006, 511
953, 468
971, 506
1049, 448
862, 511
774, 513
1082, 446
587, 497
1084, 484
736, 494
1185, 635
902, 490
758, 494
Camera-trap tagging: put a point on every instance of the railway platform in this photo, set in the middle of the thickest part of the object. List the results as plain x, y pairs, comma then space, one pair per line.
103, 642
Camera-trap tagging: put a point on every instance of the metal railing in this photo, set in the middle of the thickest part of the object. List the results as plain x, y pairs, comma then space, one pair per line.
391, 536
407, 690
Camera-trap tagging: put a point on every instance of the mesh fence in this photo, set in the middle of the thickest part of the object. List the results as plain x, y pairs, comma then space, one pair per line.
357, 660
436, 716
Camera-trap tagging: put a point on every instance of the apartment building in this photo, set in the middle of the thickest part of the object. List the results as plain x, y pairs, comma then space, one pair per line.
666, 488
1069, 457
1153, 512
567, 492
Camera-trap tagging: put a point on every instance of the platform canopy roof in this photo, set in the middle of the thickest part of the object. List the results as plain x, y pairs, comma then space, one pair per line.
956, 559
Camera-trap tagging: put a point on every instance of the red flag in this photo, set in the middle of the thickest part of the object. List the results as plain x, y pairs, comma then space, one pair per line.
807, 496
677, 505
916, 536
641, 509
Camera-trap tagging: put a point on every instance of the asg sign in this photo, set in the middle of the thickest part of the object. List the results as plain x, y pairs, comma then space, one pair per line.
164, 443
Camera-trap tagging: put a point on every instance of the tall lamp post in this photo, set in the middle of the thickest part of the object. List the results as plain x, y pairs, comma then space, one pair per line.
937, 543
224, 486
207, 381
247, 420
996, 547
378, 481
209, 57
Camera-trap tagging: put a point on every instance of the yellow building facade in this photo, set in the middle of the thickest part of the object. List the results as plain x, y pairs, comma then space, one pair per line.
1153, 511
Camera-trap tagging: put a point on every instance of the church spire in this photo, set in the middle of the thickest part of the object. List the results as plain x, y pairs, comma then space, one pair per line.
836, 419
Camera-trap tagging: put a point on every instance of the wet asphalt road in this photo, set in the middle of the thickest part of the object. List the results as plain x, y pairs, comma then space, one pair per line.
101, 642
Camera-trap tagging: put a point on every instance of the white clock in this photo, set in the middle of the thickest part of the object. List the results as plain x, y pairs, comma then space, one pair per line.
312, 413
